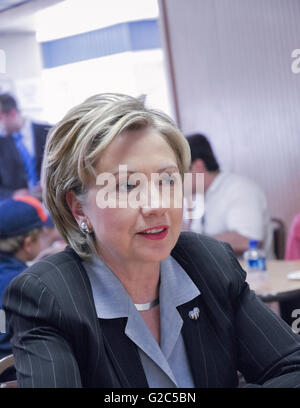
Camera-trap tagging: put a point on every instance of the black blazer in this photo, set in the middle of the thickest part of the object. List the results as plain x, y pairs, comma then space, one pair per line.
58, 340
12, 169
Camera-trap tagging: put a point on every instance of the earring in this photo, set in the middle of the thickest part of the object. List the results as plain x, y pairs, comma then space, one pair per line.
84, 227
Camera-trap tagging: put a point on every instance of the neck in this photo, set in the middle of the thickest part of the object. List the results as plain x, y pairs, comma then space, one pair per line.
141, 281
20, 123
21, 255
209, 177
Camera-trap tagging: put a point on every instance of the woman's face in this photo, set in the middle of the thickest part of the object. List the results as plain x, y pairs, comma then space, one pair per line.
128, 233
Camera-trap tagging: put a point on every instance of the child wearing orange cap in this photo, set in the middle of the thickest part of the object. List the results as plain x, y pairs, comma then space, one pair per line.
22, 219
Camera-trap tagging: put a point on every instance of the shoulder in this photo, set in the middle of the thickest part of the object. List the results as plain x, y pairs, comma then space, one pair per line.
55, 286
39, 124
210, 263
56, 273
197, 246
40, 128
238, 180
59, 260
239, 187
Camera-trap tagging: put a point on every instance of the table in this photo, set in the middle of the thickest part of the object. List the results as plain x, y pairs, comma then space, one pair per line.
273, 284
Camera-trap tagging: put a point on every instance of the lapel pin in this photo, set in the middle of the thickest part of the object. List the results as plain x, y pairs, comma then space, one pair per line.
194, 314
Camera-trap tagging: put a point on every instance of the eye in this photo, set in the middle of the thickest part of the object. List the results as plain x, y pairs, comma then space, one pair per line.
167, 179
123, 187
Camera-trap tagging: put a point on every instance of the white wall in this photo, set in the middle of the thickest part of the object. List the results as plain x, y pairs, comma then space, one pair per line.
232, 79
142, 73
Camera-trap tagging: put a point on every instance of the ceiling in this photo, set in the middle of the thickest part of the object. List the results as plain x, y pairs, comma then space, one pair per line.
7, 4
18, 16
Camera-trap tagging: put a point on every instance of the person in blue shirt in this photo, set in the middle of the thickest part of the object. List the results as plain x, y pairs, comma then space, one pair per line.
21, 222
22, 143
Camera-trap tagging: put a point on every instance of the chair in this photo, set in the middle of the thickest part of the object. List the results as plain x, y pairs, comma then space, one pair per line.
278, 237
7, 363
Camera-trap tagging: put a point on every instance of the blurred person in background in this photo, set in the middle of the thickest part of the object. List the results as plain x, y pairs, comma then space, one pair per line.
292, 250
22, 220
51, 240
21, 150
289, 307
132, 301
235, 208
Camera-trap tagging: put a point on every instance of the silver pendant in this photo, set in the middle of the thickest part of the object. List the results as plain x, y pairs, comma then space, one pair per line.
147, 306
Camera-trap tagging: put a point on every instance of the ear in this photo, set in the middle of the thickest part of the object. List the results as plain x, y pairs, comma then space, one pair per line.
198, 166
31, 247
27, 244
75, 206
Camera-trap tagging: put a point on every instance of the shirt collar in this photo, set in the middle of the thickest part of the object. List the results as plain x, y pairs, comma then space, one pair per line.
112, 300
26, 126
110, 296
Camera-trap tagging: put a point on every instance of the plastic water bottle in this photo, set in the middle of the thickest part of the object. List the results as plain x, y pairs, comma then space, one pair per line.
254, 258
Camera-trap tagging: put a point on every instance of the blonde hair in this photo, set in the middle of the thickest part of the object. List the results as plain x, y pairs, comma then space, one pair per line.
13, 244
74, 146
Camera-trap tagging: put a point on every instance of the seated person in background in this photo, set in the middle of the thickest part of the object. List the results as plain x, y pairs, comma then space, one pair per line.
21, 222
292, 250
292, 253
21, 150
235, 208
132, 301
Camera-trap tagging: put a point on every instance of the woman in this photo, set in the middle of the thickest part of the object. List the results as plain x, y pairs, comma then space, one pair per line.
132, 302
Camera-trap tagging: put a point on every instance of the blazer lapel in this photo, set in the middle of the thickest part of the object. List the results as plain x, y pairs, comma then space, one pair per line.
123, 353
197, 336
120, 350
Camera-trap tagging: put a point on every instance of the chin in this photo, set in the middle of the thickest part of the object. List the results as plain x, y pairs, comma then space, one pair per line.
156, 255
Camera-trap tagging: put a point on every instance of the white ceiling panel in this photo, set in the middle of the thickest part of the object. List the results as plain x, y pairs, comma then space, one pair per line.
7, 4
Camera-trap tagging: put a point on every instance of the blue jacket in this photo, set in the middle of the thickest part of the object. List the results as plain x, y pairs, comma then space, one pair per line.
10, 267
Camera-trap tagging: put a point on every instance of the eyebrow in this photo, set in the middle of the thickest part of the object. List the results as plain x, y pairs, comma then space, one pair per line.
171, 167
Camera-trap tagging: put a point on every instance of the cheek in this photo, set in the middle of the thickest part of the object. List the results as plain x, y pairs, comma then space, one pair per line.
112, 223
103, 222
176, 215
36, 248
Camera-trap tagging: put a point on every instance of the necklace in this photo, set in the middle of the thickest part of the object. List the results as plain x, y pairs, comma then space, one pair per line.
147, 306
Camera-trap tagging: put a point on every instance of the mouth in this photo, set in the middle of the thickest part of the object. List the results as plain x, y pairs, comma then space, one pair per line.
155, 233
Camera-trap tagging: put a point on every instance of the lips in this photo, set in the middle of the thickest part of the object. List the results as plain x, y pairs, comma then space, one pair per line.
155, 233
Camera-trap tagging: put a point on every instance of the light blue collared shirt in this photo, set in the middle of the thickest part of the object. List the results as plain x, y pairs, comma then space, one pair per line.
166, 365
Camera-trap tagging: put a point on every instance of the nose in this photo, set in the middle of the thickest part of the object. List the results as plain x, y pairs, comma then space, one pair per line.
148, 210
153, 203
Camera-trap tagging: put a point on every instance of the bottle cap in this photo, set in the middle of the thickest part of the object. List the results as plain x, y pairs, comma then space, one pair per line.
253, 244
